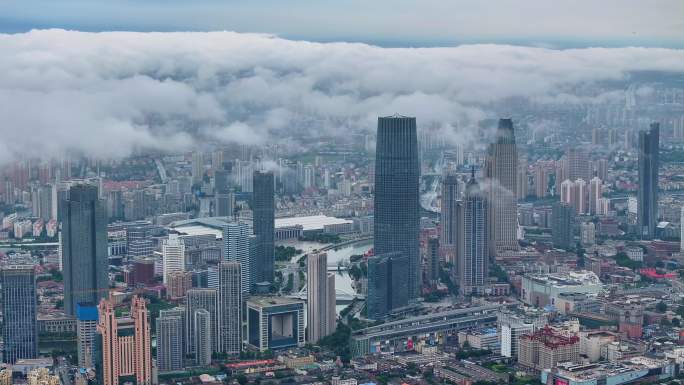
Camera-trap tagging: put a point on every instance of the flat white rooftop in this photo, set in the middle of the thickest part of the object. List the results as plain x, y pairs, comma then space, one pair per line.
310, 223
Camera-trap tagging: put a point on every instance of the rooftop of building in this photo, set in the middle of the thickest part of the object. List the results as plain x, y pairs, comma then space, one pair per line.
551, 338
570, 278
310, 223
272, 301
214, 225
584, 372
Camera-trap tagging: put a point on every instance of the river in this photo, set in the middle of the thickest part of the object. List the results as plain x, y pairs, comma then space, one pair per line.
343, 283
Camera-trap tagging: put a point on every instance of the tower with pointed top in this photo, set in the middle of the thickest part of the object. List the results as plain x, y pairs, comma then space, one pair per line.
501, 171
473, 263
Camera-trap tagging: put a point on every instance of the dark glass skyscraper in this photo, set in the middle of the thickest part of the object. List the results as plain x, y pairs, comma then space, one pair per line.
387, 284
396, 218
84, 247
562, 217
263, 209
19, 328
647, 206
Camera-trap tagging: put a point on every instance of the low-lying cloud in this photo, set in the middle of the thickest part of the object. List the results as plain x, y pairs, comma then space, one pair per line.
107, 94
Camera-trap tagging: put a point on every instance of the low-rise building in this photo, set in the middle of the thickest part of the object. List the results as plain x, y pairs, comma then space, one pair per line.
486, 338
636, 369
542, 289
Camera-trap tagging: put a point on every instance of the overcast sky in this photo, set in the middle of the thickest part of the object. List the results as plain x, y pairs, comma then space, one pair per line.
555, 23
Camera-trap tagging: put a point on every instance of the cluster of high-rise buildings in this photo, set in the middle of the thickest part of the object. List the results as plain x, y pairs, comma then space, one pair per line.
225, 306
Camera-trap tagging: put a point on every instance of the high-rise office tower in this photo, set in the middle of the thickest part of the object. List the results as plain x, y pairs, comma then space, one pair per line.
197, 299
473, 261
230, 308
319, 289
222, 180
501, 169
170, 343
647, 207
173, 254
202, 327
263, 209
448, 220
84, 247
124, 343
86, 326
562, 217
236, 248
385, 271
19, 303
197, 164
432, 261
224, 204
681, 225
396, 217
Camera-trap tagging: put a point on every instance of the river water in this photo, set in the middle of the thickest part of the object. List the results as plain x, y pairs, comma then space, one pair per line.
343, 283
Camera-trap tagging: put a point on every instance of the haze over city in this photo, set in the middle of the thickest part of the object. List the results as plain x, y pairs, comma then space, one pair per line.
341, 193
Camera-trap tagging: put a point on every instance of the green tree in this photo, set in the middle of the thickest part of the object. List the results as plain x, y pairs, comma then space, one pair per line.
661, 307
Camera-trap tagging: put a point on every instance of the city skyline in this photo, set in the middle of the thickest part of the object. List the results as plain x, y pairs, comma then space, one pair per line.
342, 193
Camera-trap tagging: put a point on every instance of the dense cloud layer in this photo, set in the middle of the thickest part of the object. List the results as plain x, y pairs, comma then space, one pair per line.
107, 94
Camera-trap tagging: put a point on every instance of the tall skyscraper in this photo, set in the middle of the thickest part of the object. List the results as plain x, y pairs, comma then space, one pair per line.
197, 167
125, 345
170, 342
173, 254
387, 284
84, 247
197, 299
230, 308
649, 163
86, 327
501, 169
473, 242
236, 248
595, 193
203, 337
582, 196
448, 220
396, 217
681, 225
319, 289
19, 303
222, 181
562, 217
432, 261
263, 208
224, 204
